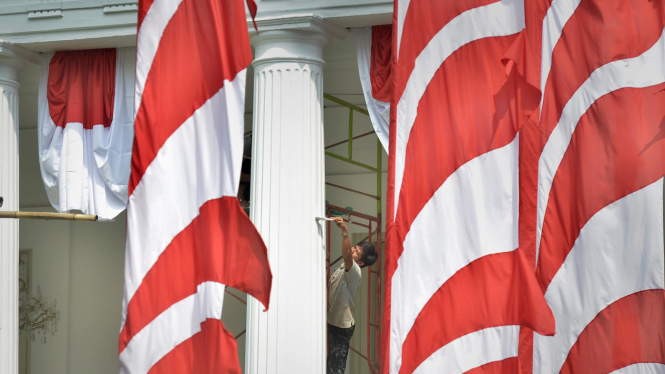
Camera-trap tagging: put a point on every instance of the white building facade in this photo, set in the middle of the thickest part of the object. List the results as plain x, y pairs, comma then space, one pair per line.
303, 50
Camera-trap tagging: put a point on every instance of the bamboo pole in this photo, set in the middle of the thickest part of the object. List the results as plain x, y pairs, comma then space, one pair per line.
48, 216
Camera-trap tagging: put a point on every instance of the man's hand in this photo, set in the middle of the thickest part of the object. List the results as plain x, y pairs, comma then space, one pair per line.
339, 221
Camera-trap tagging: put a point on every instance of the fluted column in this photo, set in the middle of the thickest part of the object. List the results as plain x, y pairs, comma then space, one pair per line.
287, 193
9, 175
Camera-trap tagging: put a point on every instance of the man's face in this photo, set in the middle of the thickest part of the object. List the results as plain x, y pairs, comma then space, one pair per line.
357, 254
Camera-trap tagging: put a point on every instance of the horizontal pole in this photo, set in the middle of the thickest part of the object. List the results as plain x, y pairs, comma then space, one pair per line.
358, 352
351, 161
350, 213
49, 216
236, 296
345, 104
241, 334
367, 237
359, 224
354, 138
334, 262
352, 190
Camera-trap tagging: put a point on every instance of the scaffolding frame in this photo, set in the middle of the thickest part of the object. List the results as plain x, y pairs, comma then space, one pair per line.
372, 221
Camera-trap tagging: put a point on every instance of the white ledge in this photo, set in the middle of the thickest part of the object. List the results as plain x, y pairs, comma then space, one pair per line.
45, 14
11, 50
121, 8
299, 21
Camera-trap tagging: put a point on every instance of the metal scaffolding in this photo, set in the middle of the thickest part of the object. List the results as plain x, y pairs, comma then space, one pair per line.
373, 224
369, 222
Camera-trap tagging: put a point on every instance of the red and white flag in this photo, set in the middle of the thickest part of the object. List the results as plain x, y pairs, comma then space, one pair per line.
374, 52
85, 130
187, 236
458, 285
598, 233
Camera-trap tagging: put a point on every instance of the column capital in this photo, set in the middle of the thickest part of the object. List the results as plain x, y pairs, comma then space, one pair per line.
299, 38
12, 59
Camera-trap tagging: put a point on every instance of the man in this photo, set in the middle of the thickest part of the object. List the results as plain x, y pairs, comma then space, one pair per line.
344, 283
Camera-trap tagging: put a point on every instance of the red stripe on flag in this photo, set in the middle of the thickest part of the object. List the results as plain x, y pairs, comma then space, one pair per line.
463, 114
418, 30
213, 350
629, 331
213, 35
507, 366
220, 245
615, 150
495, 290
599, 32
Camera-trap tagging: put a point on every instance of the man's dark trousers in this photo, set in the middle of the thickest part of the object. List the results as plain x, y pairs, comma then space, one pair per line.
338, 348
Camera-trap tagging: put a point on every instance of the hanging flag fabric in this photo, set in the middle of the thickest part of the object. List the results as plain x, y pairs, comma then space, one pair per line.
598, 232
373, 50
85, 130
187, 236
458, 285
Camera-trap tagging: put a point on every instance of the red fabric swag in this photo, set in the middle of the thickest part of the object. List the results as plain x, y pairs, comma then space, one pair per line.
81, 87
379, 67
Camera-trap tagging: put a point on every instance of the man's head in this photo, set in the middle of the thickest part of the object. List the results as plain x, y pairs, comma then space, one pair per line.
364, 254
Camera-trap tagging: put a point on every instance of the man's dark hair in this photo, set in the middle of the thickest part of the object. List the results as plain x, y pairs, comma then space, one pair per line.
369, 253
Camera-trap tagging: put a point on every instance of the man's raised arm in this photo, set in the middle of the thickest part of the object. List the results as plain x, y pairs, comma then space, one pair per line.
346, 243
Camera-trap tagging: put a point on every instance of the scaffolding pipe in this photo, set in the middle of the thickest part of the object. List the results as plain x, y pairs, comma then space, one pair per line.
352, 190
241, 334
234, 295
369, 308
345, 104
350, 161
354, 138
350, 213
350, 144
358, 353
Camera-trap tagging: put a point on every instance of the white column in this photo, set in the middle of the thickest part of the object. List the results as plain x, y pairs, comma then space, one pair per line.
287, 192
9, 167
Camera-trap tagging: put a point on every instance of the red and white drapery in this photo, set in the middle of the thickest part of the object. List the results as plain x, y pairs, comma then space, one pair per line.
458, 285
597, 161
373, 50
187, 236
85, 130
555, 109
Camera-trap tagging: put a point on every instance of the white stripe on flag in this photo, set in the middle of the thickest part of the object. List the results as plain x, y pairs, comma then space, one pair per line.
642, 368
619, 252
169, 195
439, 243
473, 350
175, 325
638, 72
402, 9
147, 42
505, 17
557, 16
